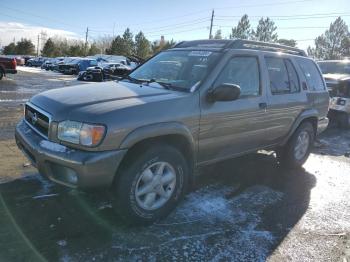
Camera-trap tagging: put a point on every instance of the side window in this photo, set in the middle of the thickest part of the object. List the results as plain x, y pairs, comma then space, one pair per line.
293, 77
283, 77
242, 71
313, 77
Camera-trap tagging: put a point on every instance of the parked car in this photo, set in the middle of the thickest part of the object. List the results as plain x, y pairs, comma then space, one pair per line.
37, 61
19, 59
104, 72
77, 65
47, 64
201, 102
26, 58
7, 66
337, 76
60, 61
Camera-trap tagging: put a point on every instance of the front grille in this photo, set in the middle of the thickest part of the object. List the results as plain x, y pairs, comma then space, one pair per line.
37, 119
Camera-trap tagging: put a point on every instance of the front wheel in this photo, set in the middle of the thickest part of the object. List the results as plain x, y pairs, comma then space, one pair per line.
297, 150
1, 74
150, 184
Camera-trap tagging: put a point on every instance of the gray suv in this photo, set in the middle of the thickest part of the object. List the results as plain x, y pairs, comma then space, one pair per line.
143, 136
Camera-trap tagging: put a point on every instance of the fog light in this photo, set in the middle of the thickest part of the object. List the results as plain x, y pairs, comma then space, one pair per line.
63, 174
71, 176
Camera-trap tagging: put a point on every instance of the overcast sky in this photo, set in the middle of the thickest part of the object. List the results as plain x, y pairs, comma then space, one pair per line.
302, 20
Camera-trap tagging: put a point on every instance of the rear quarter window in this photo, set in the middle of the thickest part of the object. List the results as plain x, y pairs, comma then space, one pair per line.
312, 75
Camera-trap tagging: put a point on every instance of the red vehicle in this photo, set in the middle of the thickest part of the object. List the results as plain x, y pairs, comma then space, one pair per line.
7, 66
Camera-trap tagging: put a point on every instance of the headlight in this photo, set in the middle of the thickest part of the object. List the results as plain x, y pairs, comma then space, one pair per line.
80, 133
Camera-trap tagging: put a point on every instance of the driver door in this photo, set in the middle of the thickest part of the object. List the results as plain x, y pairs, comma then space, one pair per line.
229, 128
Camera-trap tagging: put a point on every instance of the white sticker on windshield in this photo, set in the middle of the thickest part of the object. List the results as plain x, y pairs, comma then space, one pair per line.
200, 53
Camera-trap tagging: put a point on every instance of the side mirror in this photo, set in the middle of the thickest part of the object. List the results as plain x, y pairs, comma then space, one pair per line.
224, 92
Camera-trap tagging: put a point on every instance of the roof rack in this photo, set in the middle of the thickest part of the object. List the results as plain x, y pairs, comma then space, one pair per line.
256, 45
240, 44
208, 43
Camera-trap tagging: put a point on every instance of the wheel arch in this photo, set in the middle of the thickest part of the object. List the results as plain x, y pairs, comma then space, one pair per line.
306, 116
174, 134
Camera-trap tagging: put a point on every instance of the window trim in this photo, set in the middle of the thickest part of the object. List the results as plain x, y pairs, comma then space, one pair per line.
284, 62
296, 72
259, 72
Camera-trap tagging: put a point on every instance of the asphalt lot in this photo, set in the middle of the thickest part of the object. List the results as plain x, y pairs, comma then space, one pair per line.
247, 209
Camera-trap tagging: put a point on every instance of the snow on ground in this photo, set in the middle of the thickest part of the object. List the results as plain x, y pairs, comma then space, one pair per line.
35, 70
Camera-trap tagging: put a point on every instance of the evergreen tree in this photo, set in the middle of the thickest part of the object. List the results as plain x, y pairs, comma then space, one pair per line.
10, 49
242, 30
142, 46
128, 42
333, 43
25, 47
94, 50
117, 47
50, 49
76, 49
265, 31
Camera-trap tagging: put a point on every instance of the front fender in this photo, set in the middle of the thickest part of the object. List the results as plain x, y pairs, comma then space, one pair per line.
157, 130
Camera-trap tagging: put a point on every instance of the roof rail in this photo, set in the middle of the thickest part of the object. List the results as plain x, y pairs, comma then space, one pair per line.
207, 43
249, 44
240, 44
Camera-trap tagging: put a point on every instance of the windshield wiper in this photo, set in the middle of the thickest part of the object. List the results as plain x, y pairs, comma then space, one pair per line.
131, 79
167, 85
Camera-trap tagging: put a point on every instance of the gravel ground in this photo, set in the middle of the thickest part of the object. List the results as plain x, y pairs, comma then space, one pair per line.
247, 209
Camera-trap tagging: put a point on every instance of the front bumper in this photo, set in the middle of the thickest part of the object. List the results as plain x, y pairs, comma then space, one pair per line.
10, 71
70, 167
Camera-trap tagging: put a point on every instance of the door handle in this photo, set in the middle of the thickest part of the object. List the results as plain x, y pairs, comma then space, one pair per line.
263, 105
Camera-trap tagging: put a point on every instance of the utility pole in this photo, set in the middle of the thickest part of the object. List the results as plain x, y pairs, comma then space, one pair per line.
86, 39
37, 46
211, 25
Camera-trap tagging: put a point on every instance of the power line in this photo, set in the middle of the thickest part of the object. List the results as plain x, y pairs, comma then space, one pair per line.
281, 16
173, 33
264, 4
284, 28
165, 27
290, 18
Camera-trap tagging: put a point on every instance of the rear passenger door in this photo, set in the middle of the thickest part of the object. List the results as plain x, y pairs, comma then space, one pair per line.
317, 91
286, 99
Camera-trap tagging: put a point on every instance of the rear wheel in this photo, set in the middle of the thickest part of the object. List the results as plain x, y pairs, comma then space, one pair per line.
1, 74
150, 184
297, 150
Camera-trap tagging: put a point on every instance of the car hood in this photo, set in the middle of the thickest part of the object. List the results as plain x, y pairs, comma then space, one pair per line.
336, 77
98, 97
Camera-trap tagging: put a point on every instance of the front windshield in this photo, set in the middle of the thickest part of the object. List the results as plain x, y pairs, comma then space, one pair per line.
182, 69
335, 67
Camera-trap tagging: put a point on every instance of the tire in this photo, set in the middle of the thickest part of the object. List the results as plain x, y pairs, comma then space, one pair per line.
131, 202
29, 64
344, 121
1, 74
294, 154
